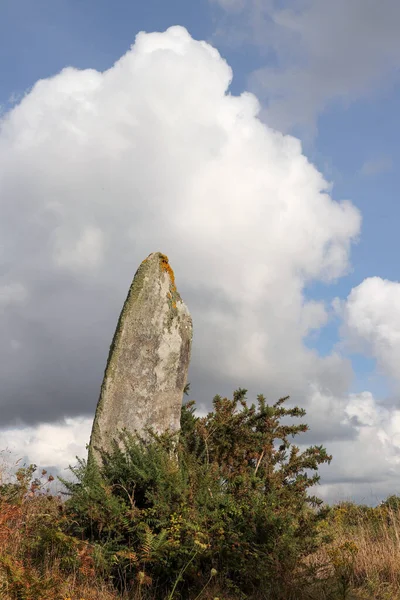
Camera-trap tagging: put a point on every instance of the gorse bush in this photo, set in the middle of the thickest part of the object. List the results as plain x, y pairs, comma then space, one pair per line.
225, 504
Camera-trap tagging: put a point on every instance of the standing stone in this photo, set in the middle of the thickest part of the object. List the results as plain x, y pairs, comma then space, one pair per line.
148, 361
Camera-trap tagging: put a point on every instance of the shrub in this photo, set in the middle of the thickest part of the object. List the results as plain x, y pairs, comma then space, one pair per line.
227, 501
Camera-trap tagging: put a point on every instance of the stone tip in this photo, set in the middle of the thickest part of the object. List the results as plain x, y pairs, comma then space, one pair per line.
164, 264
153, 255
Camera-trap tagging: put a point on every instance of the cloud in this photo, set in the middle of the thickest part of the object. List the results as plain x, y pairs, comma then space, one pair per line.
230, 5
372, 323
85, 252
55, 445
156, 154
317, 52
364, 468
366, 462
12, 293
376, 166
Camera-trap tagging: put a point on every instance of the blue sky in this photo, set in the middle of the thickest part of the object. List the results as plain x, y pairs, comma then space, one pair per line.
40, 38
327, 74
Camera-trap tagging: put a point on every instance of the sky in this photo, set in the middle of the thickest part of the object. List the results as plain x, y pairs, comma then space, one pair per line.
255, 142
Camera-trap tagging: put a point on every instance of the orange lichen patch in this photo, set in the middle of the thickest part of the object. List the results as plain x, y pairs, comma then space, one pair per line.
165, 266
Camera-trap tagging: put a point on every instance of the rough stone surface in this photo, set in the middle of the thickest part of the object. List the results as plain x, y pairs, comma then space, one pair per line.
148, 361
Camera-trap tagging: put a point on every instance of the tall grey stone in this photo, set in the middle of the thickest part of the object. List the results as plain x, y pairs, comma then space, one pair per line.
149, 357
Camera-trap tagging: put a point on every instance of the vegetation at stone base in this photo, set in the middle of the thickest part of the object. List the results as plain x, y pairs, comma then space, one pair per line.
229, 497
36, 551
222, 513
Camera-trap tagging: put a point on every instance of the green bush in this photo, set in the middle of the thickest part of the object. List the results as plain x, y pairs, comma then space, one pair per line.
225, 504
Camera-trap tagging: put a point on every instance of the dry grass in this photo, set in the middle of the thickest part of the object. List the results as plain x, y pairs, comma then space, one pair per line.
363, 560
30, 563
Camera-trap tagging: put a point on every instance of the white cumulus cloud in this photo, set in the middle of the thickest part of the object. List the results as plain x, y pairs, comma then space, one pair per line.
49, 444
365, 467
156, 154
372, 322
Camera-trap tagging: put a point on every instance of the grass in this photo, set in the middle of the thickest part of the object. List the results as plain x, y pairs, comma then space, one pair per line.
363, 559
